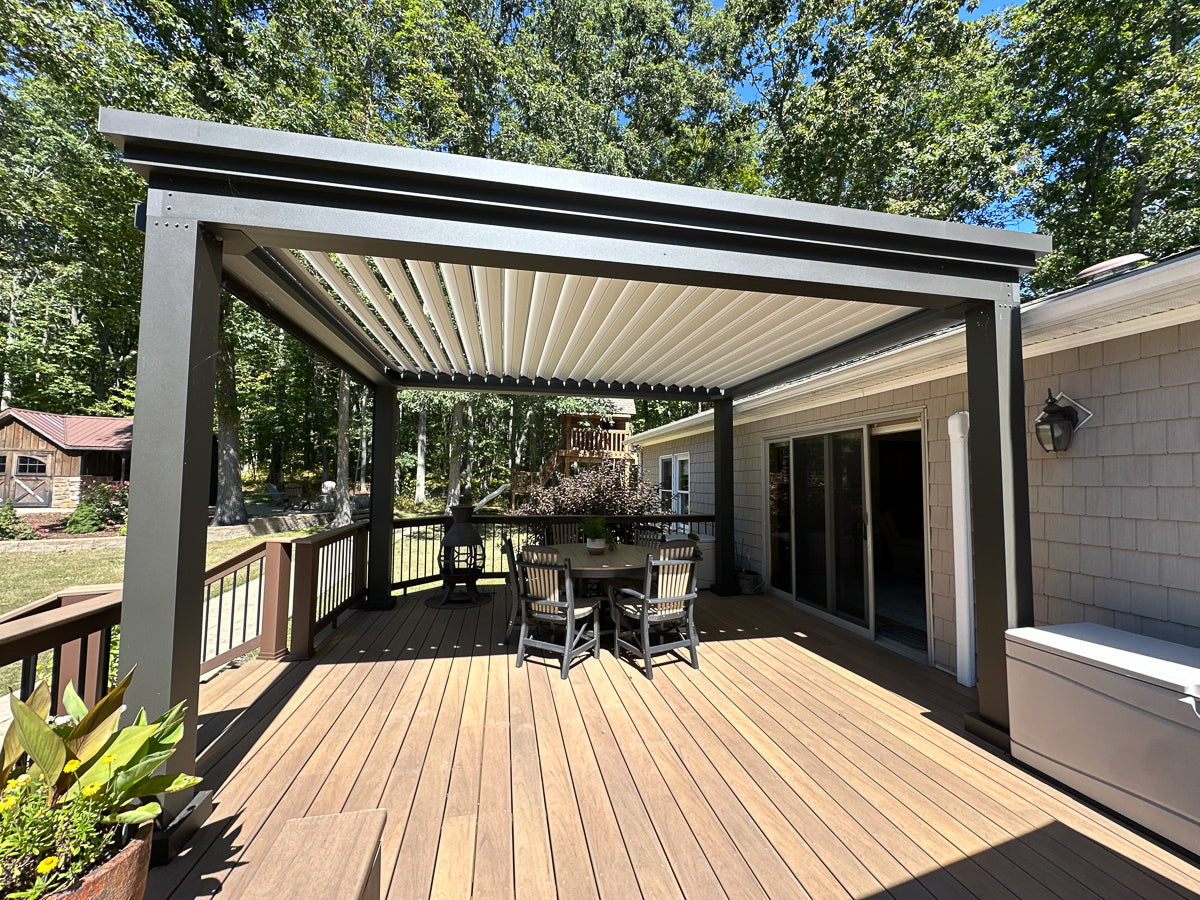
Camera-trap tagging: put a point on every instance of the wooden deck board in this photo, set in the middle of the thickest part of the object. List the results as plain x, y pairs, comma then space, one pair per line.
989, 794
799, 759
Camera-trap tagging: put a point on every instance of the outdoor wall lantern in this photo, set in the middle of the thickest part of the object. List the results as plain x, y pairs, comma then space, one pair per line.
1056, 424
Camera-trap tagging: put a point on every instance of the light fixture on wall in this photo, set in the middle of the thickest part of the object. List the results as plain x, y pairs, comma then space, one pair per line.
1057, 423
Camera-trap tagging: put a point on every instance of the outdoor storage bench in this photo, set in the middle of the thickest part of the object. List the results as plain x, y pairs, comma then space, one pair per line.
1114, 716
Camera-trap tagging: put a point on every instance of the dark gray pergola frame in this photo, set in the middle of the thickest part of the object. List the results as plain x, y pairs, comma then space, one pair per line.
219, 197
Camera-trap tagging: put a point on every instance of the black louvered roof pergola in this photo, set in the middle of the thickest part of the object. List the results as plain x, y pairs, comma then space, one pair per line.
414, 269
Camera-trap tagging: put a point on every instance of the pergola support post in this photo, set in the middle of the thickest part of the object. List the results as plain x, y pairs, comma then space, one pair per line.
383, 472
999, 502
162, 613
725, 581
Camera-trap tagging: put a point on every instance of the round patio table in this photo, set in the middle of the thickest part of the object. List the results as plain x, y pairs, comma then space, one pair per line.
622, 561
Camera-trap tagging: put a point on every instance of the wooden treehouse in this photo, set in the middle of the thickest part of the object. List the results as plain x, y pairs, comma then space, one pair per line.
585, 439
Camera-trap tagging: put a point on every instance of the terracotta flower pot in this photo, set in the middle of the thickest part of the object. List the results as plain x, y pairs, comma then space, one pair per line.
121, 878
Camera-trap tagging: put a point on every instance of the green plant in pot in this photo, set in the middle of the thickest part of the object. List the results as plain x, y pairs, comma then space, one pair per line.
596, 534
77, 802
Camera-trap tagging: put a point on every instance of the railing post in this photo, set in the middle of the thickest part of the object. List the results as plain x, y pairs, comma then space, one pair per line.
359, 585
304, 603
277, 571
80, 660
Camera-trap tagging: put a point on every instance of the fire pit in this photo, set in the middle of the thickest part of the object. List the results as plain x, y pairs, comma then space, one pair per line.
461, 561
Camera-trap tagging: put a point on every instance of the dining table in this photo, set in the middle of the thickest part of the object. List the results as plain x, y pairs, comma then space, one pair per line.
619, 561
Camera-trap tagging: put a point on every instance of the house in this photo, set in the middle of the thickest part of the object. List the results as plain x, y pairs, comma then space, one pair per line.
47, 460
847, 493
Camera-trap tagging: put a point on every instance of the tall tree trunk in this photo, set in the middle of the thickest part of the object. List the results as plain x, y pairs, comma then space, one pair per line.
10, 340
422, 446
454, 482
469, 473
362, 441
512, 433
231, 507
397, 473
344, 512
317, 391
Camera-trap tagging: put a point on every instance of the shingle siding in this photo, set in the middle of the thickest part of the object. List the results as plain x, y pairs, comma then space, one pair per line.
1115, 520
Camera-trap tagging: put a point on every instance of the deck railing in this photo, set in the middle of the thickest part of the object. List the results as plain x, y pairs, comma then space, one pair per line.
75, 626
598, 440
245, 607
330, 576
418, 540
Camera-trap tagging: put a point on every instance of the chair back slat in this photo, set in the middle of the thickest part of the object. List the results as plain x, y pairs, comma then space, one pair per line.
513, 575
675, 584
677, 550
563, 533
547, 583
647, 536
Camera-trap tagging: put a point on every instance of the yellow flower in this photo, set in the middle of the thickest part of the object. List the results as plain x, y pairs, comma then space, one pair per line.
91, 790
49, 864
7, 803
23, 779
71, 766
108, 759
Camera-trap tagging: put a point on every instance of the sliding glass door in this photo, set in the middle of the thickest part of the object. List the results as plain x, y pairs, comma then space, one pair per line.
824, 493
828, 525
849, 526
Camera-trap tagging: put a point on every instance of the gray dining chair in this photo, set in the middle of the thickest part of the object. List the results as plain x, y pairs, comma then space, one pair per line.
548, 598
512, 579
659, 618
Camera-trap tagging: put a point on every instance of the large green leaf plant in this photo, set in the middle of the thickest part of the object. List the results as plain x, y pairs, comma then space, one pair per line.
76, 786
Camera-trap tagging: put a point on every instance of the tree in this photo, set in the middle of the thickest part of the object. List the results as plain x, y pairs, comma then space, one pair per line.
344, 512
1110, 107
891, 105
231, 508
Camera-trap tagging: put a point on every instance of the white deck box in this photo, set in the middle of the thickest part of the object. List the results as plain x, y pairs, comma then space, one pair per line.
1112, 715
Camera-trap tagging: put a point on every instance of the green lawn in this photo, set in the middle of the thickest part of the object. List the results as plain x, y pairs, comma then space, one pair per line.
31, 576
25, 577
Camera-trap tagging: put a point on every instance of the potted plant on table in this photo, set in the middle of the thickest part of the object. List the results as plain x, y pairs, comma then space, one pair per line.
75, 811
596, 534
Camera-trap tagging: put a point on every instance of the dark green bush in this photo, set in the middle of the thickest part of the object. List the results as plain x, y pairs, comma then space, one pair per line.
85, 519
11, 526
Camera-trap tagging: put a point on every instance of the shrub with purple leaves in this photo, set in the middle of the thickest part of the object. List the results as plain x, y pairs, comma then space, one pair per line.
606, 490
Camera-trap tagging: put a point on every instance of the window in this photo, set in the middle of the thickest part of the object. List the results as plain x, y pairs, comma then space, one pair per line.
30, 465
3, 464
674, 483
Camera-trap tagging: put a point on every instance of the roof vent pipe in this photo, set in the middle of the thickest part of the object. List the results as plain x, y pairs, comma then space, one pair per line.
964, 568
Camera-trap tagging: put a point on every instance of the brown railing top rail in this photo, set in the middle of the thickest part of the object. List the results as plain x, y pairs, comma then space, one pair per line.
236, 562
55, 601
333, 534
23, 637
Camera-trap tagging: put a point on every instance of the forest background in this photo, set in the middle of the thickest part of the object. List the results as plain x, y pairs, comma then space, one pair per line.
1081, 120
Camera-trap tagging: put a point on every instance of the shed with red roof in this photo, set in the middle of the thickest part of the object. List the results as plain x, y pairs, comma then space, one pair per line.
47, 459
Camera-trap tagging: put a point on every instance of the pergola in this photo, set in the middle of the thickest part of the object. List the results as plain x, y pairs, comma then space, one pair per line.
458, 273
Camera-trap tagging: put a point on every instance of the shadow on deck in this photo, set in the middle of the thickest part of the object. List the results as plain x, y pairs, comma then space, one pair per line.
798, 761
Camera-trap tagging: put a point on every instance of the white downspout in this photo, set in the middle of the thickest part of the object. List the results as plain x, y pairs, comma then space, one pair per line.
964, 568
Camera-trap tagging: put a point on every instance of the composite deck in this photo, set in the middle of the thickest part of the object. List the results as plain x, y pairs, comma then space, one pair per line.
798, 761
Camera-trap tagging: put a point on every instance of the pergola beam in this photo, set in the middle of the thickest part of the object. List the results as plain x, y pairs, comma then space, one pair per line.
340, 196
581, 388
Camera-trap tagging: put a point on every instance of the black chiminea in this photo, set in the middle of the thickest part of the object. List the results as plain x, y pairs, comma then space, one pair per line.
461, 559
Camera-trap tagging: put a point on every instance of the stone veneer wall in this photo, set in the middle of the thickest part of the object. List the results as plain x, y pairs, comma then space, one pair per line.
65, 491
1115, 521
